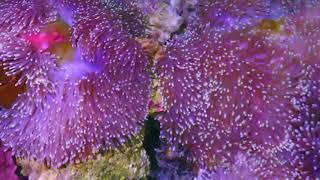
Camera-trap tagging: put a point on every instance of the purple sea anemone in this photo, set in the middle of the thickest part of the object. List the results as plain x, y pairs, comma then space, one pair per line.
230, 91
82, 96
17, 15
224, 93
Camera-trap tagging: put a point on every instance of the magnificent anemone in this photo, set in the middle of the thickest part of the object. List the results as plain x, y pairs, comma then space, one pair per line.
246, 90
17, 15
224, 93
86, 90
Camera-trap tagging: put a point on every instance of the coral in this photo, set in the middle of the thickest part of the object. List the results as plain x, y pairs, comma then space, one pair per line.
164, 21
128, 162
166, 18
87, 90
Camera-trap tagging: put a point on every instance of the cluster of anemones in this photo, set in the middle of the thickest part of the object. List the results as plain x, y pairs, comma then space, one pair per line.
83, 85
239, 84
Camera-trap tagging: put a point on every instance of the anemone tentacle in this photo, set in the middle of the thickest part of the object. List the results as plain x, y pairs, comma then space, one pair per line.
226, 15
132, 18
17, 16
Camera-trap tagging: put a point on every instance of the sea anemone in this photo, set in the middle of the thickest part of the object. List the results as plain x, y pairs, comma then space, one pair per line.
245, 90
224, 94
87, 90
17, 15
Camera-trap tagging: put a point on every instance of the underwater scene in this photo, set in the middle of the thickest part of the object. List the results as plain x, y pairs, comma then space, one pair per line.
159, 89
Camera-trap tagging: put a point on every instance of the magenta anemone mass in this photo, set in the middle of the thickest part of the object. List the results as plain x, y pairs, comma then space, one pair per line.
224, 94
74, 105
252, 91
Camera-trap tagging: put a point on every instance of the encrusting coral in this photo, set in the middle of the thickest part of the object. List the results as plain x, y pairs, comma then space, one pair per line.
128, 162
